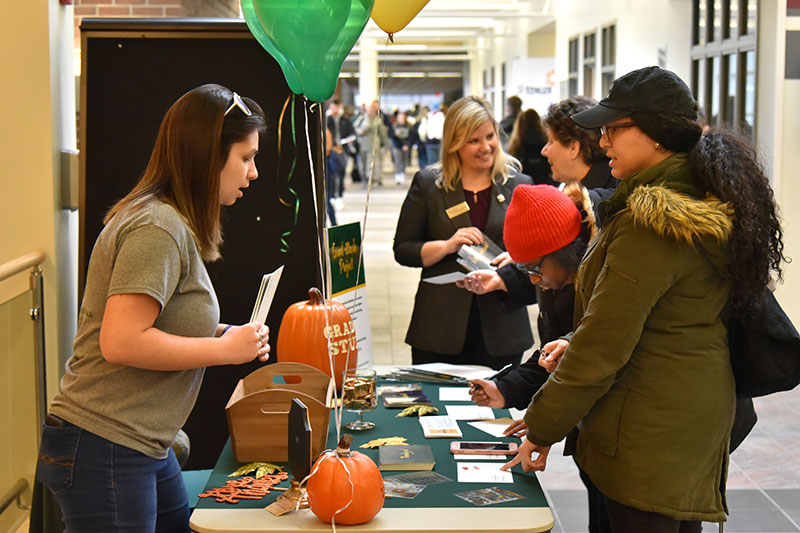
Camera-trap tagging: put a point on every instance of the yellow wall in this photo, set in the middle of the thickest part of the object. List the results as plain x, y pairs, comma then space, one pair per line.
32, 104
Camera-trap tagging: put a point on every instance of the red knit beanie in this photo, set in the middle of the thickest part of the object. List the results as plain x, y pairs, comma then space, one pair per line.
540, 220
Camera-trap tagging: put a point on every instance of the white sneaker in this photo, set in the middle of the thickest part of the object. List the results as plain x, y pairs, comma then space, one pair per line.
338, 203
399, 178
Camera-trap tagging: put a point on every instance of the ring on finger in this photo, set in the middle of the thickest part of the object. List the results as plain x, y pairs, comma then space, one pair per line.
261, 338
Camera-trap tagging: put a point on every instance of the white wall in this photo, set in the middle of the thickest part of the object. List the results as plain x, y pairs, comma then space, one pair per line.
642, 27
37, 107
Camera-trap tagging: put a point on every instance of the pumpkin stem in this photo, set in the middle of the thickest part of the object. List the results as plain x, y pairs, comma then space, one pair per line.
343, 450
315, 296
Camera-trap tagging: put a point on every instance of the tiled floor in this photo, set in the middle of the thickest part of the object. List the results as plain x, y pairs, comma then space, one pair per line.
764, 479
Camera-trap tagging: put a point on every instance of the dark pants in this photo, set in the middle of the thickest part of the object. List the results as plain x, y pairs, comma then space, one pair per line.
598, 515
474, 351
625, 519
103, 486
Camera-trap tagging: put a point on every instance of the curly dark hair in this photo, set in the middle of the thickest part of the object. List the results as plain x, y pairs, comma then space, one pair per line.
565, 130
673, 132
726, 163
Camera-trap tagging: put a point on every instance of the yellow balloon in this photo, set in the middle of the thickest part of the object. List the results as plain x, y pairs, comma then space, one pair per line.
394, 15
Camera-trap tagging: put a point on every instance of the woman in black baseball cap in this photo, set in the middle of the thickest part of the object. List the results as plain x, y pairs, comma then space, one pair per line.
690, 235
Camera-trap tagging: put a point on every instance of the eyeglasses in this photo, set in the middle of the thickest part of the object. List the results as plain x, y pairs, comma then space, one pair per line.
608, 129
531, 270
238, 102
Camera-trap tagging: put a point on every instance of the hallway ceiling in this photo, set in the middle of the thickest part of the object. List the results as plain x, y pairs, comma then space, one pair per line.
431, 53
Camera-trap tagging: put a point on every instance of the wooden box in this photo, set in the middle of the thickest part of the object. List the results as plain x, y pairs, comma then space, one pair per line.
258, 410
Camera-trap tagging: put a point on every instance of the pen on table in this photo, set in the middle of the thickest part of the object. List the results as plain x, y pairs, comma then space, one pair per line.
497, 375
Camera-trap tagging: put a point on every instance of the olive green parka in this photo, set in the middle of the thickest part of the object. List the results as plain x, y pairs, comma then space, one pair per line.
647, 377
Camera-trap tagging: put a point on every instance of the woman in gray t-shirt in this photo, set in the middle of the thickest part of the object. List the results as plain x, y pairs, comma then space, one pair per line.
149, 324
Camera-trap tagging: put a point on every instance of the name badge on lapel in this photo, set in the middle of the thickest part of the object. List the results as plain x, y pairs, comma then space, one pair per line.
458, 209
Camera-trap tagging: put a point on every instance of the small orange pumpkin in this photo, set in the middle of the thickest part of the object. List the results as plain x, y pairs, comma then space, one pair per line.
329, 488
303, 335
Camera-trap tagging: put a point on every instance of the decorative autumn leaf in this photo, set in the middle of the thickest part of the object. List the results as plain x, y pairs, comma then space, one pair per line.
419, 410
261, 469
385, 441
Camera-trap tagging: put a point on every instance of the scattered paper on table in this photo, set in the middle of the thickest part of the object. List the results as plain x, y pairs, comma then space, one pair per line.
469, 412
454, 394
494, 427
471, 457
482, 473
440, 427
444, 279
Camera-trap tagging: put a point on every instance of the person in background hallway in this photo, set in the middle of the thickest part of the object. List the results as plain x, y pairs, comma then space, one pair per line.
526, 143
434, 125
417, 136
372, 136
400, 147
690, 235
449, 205
351, 145
149, 324
331, 170
513, 108
343, 136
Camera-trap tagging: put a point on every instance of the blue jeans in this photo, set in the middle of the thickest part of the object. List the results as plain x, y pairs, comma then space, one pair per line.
103, 486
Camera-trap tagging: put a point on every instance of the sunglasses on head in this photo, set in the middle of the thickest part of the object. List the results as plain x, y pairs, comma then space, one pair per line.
238, 102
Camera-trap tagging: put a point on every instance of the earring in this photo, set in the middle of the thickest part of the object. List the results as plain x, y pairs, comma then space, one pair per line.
658, 146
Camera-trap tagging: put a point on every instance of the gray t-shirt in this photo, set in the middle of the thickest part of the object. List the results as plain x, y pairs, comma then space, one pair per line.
149, 250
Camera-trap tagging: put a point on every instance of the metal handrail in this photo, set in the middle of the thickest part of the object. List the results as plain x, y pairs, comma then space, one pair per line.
14, 494
20, 264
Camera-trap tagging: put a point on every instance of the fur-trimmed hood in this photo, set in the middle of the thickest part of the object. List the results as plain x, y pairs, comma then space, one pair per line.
672, 213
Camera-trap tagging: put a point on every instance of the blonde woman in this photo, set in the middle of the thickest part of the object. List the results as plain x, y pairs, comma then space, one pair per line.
453, 203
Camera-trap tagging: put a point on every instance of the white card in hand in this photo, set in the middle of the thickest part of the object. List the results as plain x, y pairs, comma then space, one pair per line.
469, 412
269, 284
482, 473
454, 394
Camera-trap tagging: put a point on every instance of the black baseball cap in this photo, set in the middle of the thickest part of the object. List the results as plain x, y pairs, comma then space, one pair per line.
650, 89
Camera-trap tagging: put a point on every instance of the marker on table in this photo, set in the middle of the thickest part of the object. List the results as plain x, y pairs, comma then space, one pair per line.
497, 375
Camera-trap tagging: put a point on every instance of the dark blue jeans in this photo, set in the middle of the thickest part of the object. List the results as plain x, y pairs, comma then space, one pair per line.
102, 486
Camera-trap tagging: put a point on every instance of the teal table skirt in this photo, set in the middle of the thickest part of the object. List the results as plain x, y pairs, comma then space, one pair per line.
387, 425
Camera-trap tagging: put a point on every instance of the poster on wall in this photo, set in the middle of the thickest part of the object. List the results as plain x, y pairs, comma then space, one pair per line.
348, 285
533, 80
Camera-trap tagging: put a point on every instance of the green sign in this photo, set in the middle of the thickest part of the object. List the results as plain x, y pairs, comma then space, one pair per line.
345, 247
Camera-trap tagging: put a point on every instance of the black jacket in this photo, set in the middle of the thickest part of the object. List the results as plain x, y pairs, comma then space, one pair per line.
441, 312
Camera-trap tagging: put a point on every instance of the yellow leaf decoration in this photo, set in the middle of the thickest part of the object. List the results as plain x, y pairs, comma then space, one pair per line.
386, 441
419, 410
261, 469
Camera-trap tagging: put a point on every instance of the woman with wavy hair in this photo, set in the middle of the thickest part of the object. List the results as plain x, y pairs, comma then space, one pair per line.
690, 235
454, 203
149, 324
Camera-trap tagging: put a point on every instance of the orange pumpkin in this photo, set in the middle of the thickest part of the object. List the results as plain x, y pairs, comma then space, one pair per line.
329, 487
303, 335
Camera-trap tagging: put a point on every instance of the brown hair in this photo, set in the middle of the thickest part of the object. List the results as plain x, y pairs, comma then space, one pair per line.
193, 143
527, 120
463, 118
565, 130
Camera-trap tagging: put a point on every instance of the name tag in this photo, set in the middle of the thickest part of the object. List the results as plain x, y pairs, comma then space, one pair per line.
458, 209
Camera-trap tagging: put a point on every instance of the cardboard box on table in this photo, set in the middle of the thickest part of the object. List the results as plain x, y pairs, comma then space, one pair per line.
258, 410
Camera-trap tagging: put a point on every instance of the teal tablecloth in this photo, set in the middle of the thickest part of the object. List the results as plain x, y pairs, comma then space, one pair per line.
387, 425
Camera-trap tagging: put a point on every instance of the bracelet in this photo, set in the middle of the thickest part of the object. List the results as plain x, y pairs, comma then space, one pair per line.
225, 329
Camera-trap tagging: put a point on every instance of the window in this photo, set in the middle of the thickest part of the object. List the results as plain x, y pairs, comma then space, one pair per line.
573, 67
609, 58
723, 61
589, 63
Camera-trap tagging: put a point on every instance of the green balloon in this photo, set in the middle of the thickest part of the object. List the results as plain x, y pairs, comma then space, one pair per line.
289, 72
309, 38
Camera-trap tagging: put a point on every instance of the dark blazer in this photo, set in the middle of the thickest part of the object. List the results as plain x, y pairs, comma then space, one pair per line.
439, 321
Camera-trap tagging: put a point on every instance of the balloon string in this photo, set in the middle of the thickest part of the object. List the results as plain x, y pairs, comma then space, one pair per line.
321, 239
286, 234
280, 140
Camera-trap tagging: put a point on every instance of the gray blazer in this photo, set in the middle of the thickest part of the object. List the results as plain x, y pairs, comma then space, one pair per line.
439, 320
